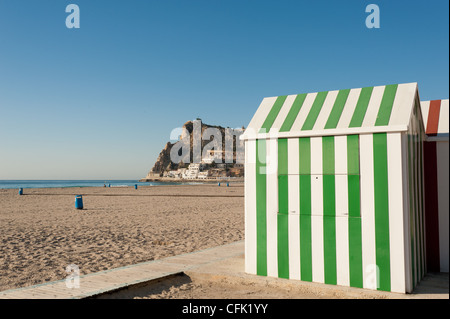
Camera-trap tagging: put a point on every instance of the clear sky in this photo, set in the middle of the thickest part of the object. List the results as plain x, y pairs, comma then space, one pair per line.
99, 102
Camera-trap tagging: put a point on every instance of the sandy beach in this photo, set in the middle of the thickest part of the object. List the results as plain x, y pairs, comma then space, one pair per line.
42, 232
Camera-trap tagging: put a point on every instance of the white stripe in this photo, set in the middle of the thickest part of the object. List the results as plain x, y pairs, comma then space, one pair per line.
317, 249
304, 111
403, 104
329, 132
413, 208
324, 114
367, 211
406, 214
340, 147
425, 108
442, 152
250, 207
272, 208
342, 239
261, 114
317, 210
349, 108
443, 118
421, 201
416, 200
395, 195
293, 151
281, 117
341, 195
374, 106
316, 156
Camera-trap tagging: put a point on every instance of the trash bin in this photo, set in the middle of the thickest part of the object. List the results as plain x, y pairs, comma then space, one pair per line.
79, 202
20, 191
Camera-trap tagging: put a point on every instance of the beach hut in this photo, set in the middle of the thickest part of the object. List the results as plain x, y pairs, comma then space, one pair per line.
334, 188
436, 167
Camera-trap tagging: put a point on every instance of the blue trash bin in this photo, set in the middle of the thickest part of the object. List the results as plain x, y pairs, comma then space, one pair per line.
135, 186
20, 191
79, 202
218, 184
228, 184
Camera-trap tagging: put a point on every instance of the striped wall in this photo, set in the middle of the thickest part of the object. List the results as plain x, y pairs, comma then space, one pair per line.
436, 157
330, 210
415, 180
334, 188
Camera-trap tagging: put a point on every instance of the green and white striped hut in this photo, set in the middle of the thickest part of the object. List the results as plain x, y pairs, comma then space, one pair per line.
333, 188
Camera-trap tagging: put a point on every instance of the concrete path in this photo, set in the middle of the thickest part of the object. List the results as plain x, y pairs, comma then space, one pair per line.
114, 279
222, 263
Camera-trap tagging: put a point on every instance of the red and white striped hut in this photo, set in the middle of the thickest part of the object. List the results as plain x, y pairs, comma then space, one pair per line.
436, 159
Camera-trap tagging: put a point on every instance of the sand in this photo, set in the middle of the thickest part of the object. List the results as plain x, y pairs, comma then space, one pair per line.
41, 232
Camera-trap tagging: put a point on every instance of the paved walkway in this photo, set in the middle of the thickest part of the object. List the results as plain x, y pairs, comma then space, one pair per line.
213, 264
110, 280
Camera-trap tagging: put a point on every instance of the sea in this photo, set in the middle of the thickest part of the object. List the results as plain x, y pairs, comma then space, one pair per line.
13, 184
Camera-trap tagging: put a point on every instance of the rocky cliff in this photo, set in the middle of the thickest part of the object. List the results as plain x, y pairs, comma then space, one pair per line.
164, 162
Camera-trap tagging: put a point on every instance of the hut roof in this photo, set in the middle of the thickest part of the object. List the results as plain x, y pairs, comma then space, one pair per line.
436, 117
353, 111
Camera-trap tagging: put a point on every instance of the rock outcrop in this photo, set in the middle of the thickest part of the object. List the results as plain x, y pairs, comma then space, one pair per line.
164, 162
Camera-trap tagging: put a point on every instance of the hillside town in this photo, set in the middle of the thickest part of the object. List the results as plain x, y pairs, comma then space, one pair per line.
214, 164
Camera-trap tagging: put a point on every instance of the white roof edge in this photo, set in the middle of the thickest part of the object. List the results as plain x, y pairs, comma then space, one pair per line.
327, 132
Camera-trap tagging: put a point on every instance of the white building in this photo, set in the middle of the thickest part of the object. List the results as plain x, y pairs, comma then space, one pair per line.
193, 170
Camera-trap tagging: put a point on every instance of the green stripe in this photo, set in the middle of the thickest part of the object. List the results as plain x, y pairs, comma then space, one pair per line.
293, 112
353, 154
305, 209
305, 156
267, 125
338, 107
329, 210
283, 210
361, 107
384, 113
328, 155
354, 202
314, 112
354, 212
380, 167
283, 196
355, 252
261, 218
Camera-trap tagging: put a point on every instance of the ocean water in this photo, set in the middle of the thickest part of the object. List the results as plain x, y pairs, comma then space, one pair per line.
13, 184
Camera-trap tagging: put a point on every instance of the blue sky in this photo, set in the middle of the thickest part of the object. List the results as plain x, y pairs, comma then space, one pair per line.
100, 102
